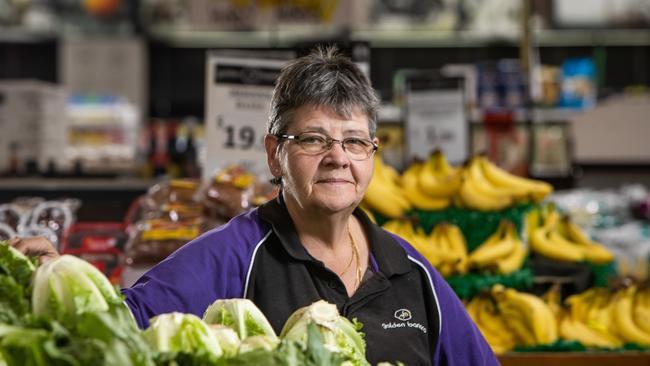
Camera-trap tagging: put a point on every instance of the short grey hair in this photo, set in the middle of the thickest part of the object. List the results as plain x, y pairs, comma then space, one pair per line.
322, 78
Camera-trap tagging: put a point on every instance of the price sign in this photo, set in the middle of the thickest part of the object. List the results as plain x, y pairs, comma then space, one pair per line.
435, 119
238, 94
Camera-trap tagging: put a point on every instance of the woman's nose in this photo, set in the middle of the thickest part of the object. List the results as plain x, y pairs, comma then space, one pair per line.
337, 154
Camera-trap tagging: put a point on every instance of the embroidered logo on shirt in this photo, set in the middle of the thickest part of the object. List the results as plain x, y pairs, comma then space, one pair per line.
403, 314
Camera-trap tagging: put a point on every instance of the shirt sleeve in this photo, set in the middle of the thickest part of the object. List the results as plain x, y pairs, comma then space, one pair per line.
460, 341
210, 267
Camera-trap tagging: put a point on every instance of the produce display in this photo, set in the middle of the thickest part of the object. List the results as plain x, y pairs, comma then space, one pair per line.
435, 185
508, 318
66, 312
559, 238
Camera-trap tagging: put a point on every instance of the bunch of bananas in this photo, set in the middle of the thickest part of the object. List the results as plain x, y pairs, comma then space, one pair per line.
559, 238
486, 187
424, 199
599, 317
385, 194
589, 319
503, 252
444, 247
437, 178
492, 324
509, 318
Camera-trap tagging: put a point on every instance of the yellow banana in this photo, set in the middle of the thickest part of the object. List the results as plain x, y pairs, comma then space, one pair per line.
532, 222
457, 244
437, 178
533, 310
623, 318
518, 185
384, 195
516, 258
413, 193
493, 326
549, 243
574, 329
594, 252
642, 309
552, 298
426, 247
497, 246
473, 198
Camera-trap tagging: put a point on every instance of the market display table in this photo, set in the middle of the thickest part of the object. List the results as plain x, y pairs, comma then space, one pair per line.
576, 359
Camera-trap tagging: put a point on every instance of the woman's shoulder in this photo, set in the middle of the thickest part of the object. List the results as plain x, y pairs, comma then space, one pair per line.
238, 236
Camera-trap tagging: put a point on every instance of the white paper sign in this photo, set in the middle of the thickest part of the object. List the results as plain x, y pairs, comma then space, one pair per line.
435, 119
238, 94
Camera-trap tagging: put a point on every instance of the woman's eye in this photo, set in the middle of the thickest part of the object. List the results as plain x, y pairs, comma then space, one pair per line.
312, 140
356, 142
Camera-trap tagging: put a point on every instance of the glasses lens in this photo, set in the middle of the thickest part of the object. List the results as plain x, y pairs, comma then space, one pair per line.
313, 143
358, 149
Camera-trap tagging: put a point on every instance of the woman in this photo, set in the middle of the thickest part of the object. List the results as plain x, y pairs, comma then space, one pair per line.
312, 242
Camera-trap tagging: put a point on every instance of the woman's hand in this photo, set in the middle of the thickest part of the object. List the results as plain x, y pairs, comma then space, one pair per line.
35, 247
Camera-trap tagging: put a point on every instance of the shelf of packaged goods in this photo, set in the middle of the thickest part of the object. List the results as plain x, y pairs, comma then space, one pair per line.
576, 359
594, 37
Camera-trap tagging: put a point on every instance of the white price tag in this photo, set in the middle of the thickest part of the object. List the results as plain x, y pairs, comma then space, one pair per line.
435, 119
238, 94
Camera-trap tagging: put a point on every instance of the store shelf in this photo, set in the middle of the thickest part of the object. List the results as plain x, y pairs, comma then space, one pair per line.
538, 115
22, 35
192, 38
589, 38
75, 184
395, 38
576, 359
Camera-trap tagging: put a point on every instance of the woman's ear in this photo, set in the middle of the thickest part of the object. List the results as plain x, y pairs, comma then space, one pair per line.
271, 145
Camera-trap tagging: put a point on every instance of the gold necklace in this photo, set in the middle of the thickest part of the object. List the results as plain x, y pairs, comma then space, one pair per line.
357, 257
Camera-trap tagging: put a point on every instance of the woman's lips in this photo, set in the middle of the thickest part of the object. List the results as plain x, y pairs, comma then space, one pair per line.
333, 181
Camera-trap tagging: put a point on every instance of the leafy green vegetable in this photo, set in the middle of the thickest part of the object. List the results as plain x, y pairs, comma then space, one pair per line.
13, 303
66, 287
258, 342
227, 338
183, 334
15, 264
241, 315
339, 334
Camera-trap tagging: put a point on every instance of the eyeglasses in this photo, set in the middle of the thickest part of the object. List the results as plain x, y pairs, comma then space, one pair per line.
357, 148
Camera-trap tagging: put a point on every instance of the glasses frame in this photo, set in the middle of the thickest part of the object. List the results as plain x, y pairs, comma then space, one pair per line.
330, 143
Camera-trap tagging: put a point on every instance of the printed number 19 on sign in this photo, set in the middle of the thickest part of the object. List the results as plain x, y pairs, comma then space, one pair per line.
237, 137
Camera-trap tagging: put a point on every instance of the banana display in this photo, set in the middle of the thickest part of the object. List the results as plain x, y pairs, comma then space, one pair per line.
503, 252
559, 238
435, 184
486, 187
385, 194
508, 318
444, 247
599, 317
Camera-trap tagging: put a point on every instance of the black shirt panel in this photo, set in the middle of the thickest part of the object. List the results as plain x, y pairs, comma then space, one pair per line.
395, 304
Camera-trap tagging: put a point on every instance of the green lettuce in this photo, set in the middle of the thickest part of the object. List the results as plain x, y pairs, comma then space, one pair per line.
66, 287
183, 335
227, 338
241, 315
339, 334
16, 265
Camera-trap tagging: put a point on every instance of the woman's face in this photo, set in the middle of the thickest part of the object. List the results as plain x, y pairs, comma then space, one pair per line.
329, 181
